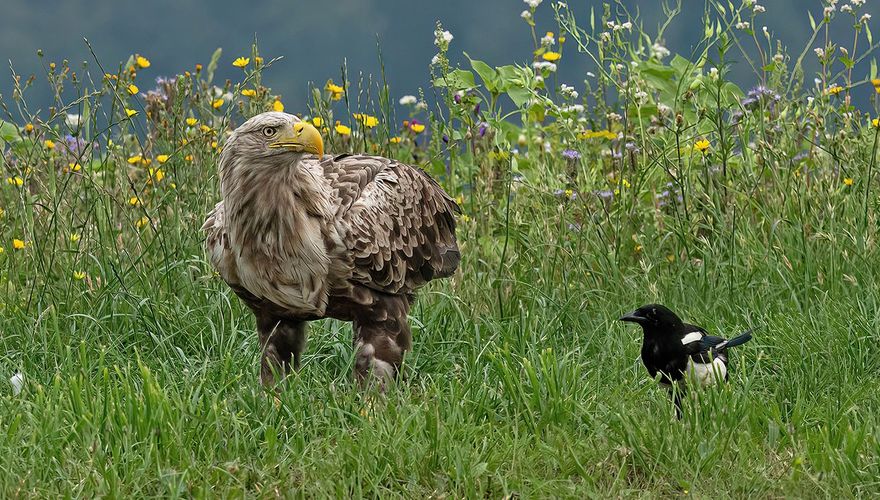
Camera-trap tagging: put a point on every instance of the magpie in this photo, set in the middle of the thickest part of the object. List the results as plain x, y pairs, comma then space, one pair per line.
681, 352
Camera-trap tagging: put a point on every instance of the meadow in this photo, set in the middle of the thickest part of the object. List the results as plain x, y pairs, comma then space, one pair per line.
656, 179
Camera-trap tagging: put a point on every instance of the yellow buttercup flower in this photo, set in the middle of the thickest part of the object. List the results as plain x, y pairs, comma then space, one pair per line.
78, 275
74, 167
132, 89
336, 91
417, 127
18, 244
342, 129
188, 158
394, 140
848, 181
156, 174
15, 181
132, 160
191, 122
875, 122
130, 112
366, 120
143, 221
49, 144
29, 128
834, 89
142, 61
74, 237
551, 56
162, 158
278, 106
241, 62
249, 92
317, 121
702, 146
217, 103
134, 201
626, 184
2, 250
205, 129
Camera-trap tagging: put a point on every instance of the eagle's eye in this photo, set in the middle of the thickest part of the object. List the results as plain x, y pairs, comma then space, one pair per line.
269, 131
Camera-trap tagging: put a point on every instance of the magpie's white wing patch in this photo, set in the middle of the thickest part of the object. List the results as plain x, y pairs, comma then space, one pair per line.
692, 337
707, 374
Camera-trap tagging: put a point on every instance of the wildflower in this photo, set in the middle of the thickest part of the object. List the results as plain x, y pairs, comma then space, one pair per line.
317, 121
533, 4
551, 56
73, 120
442, 37
408, 100
702, 146
29, 128
143, 221
132, 160
15, 181
394, 140
548, 39
188, 158
162, 158
74, 237
49, 144
342, 129
258, 60
18, 244
2, 250
214, 144
366, 120
249, 92
142, 61
79, 275
241, 62
132, 89
217, 103
659, 51
191, 122
156, 174
834, 89
848, 181
570, 154
205, 129
876, 122
74, 167
670, 258
465, 218
336, 91
525, 15
626, 184
417, 127
134, 201
277, 106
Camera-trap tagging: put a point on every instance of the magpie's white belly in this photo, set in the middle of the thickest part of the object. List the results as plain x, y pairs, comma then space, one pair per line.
706, 374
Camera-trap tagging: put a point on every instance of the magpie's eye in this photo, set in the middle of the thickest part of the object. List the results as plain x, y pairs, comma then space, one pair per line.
269, 131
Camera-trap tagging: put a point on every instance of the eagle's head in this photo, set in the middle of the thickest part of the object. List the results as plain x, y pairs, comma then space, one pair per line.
271, 138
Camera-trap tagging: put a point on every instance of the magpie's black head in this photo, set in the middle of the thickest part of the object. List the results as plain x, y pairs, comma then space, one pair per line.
655, 319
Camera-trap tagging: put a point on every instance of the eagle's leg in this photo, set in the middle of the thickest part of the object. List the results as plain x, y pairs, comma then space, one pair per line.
381, 339
283, 342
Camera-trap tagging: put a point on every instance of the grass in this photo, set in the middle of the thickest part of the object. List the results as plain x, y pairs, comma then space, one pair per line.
141, 365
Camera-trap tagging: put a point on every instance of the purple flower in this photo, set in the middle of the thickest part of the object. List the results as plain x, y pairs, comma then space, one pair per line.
570, 154
483, 128
445, 139
477, 109
457, 98
605, 194
803, 155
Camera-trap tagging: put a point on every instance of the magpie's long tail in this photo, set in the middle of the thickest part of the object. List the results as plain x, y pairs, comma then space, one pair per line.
738, 340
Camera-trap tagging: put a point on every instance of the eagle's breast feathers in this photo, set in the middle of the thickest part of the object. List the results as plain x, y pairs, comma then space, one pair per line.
296, 238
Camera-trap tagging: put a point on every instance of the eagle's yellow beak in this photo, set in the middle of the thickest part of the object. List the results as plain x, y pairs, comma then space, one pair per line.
303, 138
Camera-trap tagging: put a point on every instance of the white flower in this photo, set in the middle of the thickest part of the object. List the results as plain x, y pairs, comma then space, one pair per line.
533, 3
442, 37
865, 18
605, 36
525, 15
421, 106
820, 52
778, 58
548, 40
627, 25
846, 8
614, 117
759, 8
568, 91
73, 120
17, 382
435, 60
539, 79
542, 65
742, 26
641, 96
591, 74
659, 51
857, 3
408, 100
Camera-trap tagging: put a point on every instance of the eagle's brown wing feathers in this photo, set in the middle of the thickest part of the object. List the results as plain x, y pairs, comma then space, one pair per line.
398, 223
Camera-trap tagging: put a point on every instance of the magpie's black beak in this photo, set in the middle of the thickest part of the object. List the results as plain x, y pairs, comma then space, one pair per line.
633, 317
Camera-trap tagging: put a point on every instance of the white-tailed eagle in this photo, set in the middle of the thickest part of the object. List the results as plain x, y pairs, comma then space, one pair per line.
301, 236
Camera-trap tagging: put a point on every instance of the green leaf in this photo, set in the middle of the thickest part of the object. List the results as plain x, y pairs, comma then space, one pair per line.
487, 74
519, 96
812, 21
459, 79
847, 62
8, 132
212, 66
